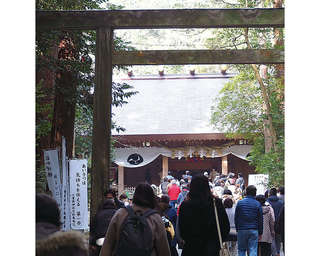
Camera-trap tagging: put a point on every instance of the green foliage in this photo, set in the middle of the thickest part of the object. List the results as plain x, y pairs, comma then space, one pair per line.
80, 49
271, 163
238, 111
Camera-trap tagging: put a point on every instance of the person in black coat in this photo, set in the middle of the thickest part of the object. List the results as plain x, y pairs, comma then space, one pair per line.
197, 222
101, 223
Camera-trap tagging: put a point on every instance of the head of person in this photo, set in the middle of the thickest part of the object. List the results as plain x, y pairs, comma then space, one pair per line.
165, 179
251, 191
281, 190
273, 192
144, 196
240, 175
228, 203
164, 199
266, 194
47, 210
206, 174
109, 194
231, 175
123, 197
187, 172
261, 199
227, 192
199, 189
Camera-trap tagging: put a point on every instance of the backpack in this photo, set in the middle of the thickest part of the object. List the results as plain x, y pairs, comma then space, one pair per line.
135, 235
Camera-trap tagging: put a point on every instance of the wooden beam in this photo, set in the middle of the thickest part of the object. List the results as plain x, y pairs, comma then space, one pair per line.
120, 179
101, 118
165, 166
176, 57
164, 18
224, 165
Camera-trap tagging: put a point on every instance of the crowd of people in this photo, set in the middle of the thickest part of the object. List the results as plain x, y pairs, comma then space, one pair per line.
194, 214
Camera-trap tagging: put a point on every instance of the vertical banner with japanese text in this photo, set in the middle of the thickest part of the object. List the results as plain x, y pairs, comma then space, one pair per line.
260, 181
65, 206
78, 193
51, 161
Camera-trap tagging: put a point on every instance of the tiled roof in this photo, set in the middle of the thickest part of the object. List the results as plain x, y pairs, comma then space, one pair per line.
170, 106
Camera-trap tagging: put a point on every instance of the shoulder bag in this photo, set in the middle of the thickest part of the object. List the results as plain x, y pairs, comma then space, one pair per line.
224, 251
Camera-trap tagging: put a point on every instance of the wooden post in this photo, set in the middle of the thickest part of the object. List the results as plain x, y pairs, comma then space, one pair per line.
165, 166
224, 165
120, 179
101, 118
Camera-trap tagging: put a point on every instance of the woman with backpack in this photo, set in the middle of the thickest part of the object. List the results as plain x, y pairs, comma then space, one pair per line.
197, 222
137, 230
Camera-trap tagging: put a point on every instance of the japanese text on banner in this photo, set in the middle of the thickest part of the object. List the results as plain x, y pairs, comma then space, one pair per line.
51, 162
78, 194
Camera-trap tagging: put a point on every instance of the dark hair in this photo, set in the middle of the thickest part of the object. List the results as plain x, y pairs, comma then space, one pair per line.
273, 192
123, 196
228, 203
266, 194
261, 199
281, 190
199, 189
164, 199
227, 192
110, 191
165, 179
47, 210
251, 190
240, 174
144, 196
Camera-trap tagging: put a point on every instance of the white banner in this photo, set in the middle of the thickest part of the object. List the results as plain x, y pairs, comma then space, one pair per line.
137, 157
65, 205
260, 181
78, 194
51, 161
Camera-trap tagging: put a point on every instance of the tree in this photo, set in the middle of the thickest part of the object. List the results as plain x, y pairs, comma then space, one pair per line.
65, 85
252, 103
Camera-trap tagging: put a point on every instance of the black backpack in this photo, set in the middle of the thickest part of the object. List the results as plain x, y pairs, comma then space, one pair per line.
135, 235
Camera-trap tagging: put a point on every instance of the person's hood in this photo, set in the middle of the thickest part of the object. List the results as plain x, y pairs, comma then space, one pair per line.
265, 209
109, 204
63, 243
273, 198
44, 229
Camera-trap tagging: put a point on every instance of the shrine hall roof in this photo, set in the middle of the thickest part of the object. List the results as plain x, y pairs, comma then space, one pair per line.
170, 105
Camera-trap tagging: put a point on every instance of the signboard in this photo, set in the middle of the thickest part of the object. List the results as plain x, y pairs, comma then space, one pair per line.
51, 161
260, 181
78, 194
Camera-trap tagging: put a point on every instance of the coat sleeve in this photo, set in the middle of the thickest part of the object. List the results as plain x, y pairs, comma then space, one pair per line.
271, 222
260, 220
161, 241
110, 239
236, 217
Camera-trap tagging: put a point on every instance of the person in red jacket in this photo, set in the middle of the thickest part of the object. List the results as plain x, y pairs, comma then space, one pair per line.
173, 193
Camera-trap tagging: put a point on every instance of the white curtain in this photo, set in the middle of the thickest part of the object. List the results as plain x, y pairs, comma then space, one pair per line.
149, 154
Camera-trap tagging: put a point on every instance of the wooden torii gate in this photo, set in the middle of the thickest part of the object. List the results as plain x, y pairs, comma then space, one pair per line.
105, 21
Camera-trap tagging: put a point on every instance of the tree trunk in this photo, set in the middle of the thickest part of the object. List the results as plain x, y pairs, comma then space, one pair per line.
65, 100
45, 83
269, 131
